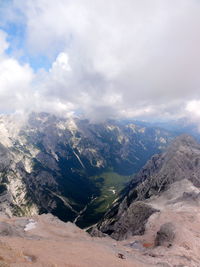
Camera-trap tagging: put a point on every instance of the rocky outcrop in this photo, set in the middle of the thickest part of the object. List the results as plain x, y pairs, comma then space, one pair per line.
165, 236
181, 162
130, 223
46, 241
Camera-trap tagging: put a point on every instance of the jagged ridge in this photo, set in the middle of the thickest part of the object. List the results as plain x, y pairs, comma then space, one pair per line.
180, 161
47, 162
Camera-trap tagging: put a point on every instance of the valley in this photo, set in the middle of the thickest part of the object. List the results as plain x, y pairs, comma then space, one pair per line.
63, 165
99, 133
110, 185
154, 222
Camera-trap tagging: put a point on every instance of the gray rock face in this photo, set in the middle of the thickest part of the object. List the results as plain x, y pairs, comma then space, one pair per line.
165, 236
8, 230
95, 232
180, 161
132, 222
46, 162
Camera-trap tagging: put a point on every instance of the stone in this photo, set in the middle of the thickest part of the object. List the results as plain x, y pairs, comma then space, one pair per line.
165, 236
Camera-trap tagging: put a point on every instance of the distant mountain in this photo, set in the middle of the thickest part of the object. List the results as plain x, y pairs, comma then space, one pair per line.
70, 167
180, 126
167, 184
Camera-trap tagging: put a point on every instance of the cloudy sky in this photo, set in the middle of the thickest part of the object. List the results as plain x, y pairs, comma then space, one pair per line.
102, 59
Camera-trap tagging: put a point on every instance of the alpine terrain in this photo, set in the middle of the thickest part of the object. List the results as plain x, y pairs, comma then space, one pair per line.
71, 168
155, 222
161, 206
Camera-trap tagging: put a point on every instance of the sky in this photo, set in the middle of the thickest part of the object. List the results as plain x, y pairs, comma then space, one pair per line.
101, 59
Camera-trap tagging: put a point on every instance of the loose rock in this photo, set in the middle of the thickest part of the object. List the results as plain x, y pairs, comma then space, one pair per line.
165, 236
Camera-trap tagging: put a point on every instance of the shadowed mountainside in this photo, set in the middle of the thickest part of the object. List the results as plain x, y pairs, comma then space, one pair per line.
70, 167
129, 214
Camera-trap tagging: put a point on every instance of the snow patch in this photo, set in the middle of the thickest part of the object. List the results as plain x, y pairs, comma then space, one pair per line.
112, 190
31, 225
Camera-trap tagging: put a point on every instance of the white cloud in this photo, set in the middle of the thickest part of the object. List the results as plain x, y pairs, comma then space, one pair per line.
193, 107
193, 112
113, 58
61, 64
3, 43
15, 80
21, 90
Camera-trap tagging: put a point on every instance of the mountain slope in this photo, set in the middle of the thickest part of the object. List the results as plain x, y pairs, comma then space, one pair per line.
129, 214
62, 166
45, 241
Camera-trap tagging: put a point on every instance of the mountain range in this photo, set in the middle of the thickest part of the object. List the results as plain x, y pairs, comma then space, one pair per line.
154, 221
71, 168
178, 165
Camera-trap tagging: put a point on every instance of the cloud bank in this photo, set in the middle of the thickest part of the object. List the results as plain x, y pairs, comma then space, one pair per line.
110, 59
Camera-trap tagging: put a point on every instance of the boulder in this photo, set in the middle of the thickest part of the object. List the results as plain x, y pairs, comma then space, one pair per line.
132, 221
165, 236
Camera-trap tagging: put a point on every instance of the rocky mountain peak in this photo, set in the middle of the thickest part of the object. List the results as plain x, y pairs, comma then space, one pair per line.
179, 163
182, 143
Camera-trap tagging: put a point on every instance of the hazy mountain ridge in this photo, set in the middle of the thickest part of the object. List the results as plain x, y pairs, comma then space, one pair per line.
48, 161
155, 221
